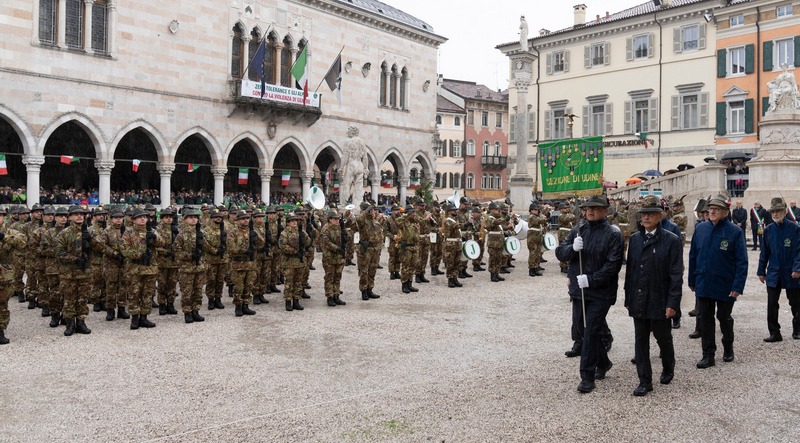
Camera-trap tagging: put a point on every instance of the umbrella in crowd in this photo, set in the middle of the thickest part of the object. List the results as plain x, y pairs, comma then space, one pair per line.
710, 159
736, 155
652, 173
633, 181
685, 166
609, 184
671, 171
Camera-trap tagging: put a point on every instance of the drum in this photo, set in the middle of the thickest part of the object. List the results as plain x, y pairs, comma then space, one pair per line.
433, 237
549, 241
512, 245
470, 250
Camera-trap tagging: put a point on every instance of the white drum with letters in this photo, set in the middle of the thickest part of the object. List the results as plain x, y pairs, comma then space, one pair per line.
512, 246
470, 250
549, 241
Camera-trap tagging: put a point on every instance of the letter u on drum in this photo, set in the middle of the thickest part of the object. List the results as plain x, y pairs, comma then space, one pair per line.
512, 245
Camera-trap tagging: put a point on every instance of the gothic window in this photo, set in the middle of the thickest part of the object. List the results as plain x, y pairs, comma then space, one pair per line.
255, 42
48, 21
286, 62
237, 48
384, 85
269, 59
393, 87
74, 24
100, 27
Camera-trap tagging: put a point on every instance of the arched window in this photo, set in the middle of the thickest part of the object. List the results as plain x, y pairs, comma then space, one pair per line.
451, 179
470, 181
457, 153
403, 79
470, 147
438, 119
253, 72
456, 181
395, 78
457, 121
438, 180
48, 21
269, 59
444, 180
498, 151
384, 85
486, 149
286, 62
237, 48
413, 172
499, 181
485, 181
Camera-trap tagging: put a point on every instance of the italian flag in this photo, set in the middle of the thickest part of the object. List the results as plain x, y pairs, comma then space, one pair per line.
3, 166
414, 183
285, 175
336, 185
386, 182
327, 177
192, 168
68, 159
300, 72
243, 176
136, 163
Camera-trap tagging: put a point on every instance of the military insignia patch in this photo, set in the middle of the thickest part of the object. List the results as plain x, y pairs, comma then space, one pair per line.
787, 242
723, 245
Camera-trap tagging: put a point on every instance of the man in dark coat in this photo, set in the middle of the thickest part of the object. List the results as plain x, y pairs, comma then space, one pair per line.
717, 273
779, 268
653, 291
739, 216
594, 253
758, 220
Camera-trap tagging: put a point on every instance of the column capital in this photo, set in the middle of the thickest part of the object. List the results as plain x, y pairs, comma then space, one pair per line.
88, 2
217, 171
246, 38
375, 177
104, 167
165, 168
404, 182
307, 175
33, 160
266, 174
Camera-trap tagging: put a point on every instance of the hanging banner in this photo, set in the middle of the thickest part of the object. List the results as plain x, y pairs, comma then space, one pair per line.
280, 94
572, 167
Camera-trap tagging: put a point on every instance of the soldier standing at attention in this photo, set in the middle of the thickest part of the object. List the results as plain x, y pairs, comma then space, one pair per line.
451, 232
216, 234
72, 249
333, 240
167, 278
40, 262
424, 222
274, 251
437, 247
408, 237
189, 250
138, 248
496, 230
114, 266
10, 240
98, 296
537, 227
292, 246
230, 226
464, 221
369, 231
19, 217
263, 257
33, 277
393, 249
53, 266
307, 226
242, 247
479, 235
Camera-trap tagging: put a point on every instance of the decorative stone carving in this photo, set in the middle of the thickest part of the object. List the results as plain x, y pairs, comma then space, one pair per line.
272, 129
365, 69
354, 168
426, 85
104, 167
523, 33
783, 92
266, 174
404, 182
219, 171
780, 135
165, 168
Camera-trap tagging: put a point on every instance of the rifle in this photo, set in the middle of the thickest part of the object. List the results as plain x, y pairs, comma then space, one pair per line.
86, 239
267, 237
251, 245
198, 243
223, 238
301, 248
150, 239
343, 233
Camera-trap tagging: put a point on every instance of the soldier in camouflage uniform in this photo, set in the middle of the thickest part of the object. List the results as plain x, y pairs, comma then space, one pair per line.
10, 240
291, 245
437, 247
275, 222
351, 246
138, 247
263, 257
167, 277
307, 226
468, 233
390, 229
73, 245
47, 247
497, 229
451, 233
39, 262
230, 226
425, 224
32, 278
566, 221
189, 249
216, 234
537, 227
333, 241
98, 296
478, 221
370, 233
242, 248
113, 266
679, 217
20, 218
408, 236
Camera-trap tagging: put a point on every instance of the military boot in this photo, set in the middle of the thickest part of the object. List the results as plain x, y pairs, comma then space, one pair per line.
153, 303
365, 295
98, 307
145, 323
70, 327
45, 311
187, 317
32, 304
504, 270
247, 311
171, 309
411, 288
478, 268
197, 317
21, 296
81, 328
372, 294
110, 314
451, 283
289, 305
262, 299
304, 294
238, 311
331, 302
122, 314
211, 304
274, 289
457, 283
135, 321
339, 301
218, 303
422, 279
296, 305
393, 276
435, 270
405, 290
162, 309
55, 320
3, 339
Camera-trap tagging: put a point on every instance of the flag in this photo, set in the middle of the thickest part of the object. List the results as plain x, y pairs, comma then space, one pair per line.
243, 176
3, 166
300, 72
67, 159
414, 183
192, 168
258, 63
643, 137
136, 165
386, 182
327, 177
334, 78
336, 186
285, 175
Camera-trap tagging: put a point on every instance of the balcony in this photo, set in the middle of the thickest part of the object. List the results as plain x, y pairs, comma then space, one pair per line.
279, 103
494, 161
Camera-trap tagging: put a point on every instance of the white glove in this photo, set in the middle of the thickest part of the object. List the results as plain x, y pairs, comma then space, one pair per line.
583, 281
577, 244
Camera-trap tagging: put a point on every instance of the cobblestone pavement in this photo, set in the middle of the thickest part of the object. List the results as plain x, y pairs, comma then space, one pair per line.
484, 363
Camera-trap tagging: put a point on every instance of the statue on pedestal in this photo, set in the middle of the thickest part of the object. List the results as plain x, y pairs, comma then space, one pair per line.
783, 92
353, 169
523, 33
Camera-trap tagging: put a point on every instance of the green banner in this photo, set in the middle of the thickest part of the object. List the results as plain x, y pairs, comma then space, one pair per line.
572, 167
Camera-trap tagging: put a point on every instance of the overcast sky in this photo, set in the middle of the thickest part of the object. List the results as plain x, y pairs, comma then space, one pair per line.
475, 27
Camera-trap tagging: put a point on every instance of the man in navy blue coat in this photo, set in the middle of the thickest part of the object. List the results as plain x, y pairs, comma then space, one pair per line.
779, 268
717, 273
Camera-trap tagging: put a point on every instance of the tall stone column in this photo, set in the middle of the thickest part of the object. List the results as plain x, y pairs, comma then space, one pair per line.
375, 181
306, 176
219, 183
403, 186
87, 27
112, 28
266, 177
61, 29
104, 168
521, 184
33, 167
165, 171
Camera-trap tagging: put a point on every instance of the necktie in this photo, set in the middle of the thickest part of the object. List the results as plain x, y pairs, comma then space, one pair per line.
649, 236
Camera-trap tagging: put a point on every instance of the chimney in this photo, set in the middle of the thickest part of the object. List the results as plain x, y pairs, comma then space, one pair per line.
580, 14
608, 15
543, 32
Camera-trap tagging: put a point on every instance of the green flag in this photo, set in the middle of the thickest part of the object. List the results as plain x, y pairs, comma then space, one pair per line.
572, 167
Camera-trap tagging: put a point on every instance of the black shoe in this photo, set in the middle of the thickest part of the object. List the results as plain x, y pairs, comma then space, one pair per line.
256, 301
171, 309
796, 336
510, 265
306, 286
281, 279
539, 268
263, 300
478, 268
247, 311
81, 328
70, 327
435, 271
162, 309
585, 386
296, 305
495, 277
417, 279
531, 272
122, 314
376, 267
238, 311
374, 295
666, 378
394, 275
55, 320
32, 304
461, 274
153, 304
45, 311
405, 291
110, 314
339, 301
574, 352
274, 289
289, 305
311, 268
197, 317
3, 339
774, 338
304, 295
210, 304
504, 270
410, 288
727, 356
145, 323
451, 283
600, 374
187, 317
607, 342
466, 275
458, 283
693, 313
695, 334
218, 303
633, 360
331, 302
134, 322
676, 323
706, 362
422, 279
643, 389
21, 296
365, 294
349, 263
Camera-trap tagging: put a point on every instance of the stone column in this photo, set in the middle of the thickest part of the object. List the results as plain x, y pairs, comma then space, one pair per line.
61, 39
375, 182
111, 28
397, 80
306, 176
104, 168
521, 184
219, 183
266, 177
246, 54
278, 49
165, 171
388, 90
33, 167
403, 185
87, 27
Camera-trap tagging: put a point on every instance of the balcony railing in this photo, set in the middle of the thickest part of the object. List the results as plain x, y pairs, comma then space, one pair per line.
494, 161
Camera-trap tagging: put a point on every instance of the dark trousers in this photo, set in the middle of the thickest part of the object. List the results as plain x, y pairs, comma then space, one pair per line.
773, 297
593, 353
708, 329
756, 236
577, 325
662, 331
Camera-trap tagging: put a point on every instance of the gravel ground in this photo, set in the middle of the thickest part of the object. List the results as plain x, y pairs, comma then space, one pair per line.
484, 363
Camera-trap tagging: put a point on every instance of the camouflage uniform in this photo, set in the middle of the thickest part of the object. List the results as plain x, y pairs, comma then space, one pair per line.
20, 261
11, 241
289, 244
495, 234
263, 258
36, 284
72, 249
47, 247
190, 253
478, 220
370, 233
437, 248
277, 226
331, 242
537, 227
451, 232
409, 253
167, 277
463, 218
138, 248
216, 235
391, 229
241, 246
113, 269
424, 226
98, 295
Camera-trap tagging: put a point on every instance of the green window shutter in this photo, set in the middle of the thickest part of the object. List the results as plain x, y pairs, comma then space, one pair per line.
749, 59
767, 61
749, 106
722, 120
722, 63
797, 51
764, 105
